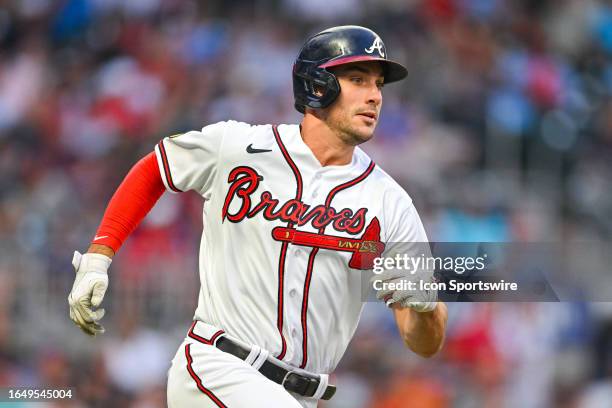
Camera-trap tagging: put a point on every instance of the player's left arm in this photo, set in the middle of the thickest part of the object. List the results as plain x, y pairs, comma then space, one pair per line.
422, 332
420, 318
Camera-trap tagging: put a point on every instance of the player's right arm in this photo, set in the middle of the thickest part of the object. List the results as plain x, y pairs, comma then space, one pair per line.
181, 162
135, 197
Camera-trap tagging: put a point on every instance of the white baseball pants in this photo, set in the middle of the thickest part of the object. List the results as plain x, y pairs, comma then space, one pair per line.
201, 375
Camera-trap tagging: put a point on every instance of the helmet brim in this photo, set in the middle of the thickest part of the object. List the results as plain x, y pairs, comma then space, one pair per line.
392, 71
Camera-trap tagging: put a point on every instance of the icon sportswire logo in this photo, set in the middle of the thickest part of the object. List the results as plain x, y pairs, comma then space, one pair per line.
376, 45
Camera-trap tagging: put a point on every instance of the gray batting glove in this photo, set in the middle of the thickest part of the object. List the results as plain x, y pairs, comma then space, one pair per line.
88, 290
415, 297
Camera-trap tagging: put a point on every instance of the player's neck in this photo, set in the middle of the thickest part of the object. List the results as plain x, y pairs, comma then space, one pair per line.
324, 143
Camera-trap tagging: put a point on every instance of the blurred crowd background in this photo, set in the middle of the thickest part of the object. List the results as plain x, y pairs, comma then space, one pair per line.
503, 132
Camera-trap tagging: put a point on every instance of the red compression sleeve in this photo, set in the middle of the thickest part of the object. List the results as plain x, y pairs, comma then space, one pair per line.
132, 201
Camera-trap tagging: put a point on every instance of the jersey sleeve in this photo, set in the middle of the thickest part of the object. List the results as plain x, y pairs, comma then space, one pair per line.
189, 161
406, 225
406, 235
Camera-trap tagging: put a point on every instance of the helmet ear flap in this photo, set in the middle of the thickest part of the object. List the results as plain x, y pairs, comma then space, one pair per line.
324, 88
314, 87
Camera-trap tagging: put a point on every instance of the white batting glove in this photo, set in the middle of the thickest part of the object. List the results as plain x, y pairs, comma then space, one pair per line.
88, 290
420, 300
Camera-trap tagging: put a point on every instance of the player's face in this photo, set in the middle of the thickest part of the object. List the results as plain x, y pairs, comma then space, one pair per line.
354, 114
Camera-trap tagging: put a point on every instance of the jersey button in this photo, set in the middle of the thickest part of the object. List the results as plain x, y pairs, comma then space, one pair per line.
292, 292
294, 333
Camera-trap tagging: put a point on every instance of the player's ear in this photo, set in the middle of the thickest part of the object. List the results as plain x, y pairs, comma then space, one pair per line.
318, 90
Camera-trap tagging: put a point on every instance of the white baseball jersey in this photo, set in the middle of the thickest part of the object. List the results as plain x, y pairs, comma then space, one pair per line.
278, 265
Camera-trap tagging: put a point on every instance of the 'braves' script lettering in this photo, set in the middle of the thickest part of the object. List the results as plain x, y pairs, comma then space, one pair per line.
244, 182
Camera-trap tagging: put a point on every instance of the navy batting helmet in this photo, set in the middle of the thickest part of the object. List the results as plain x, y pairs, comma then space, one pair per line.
314, 86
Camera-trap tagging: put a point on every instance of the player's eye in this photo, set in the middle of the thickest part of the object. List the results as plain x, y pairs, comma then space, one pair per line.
380, 84
357, 80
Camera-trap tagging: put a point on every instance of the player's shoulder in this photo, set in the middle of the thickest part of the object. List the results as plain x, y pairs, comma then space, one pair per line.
237, 128
383, 184
228, 125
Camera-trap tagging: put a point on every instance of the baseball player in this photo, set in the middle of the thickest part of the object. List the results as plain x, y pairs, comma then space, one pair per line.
294, 216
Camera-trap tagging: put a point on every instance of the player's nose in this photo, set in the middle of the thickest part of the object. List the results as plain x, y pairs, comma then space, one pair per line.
374, 95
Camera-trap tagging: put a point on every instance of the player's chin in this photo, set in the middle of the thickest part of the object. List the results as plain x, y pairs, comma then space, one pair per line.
364, 132
358, 137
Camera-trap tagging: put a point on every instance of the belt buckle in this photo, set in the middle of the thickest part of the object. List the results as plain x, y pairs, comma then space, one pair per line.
309, 391
285, 378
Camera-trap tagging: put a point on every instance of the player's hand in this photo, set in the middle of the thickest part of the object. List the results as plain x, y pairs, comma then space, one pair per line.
88, 290
418, 298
